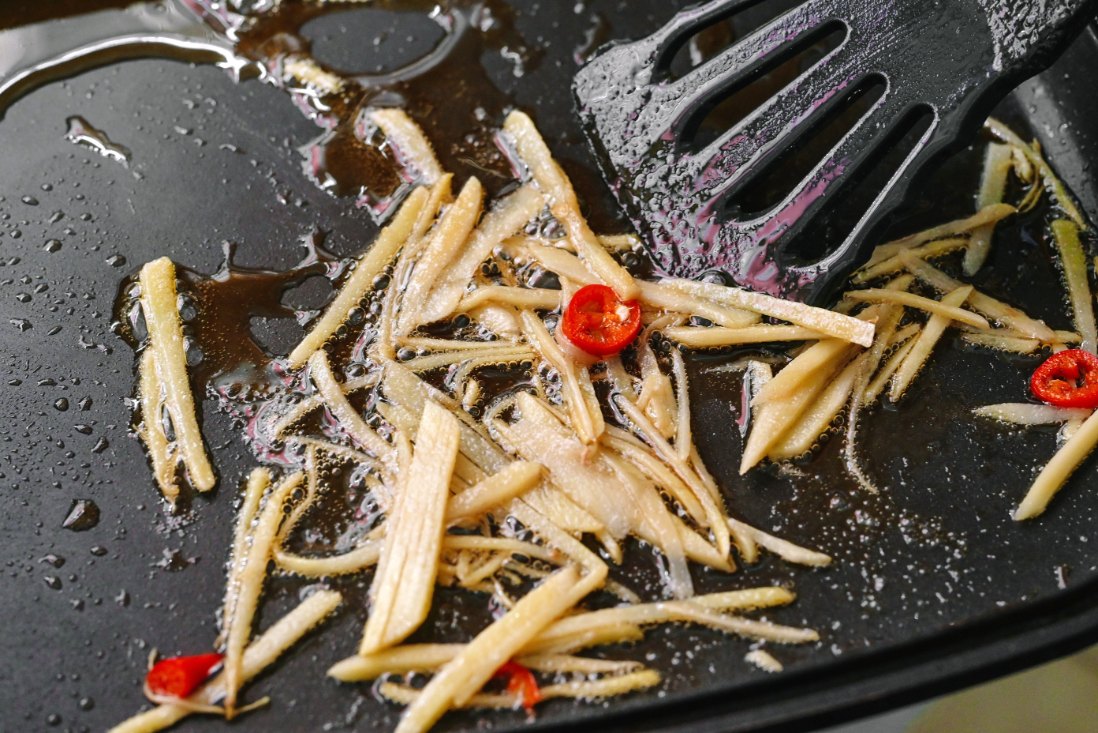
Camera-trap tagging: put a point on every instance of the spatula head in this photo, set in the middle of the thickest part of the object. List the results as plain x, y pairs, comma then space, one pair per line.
943, 63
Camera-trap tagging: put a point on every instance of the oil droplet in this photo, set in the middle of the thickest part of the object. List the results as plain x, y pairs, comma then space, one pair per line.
83, 515
20, 323
52, 582
54, 560
87, 703
61, 404
30, 200
98, 550
116, 260
82, 133
53, 245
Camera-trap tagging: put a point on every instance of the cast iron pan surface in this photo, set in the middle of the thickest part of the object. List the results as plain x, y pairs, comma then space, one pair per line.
934, 586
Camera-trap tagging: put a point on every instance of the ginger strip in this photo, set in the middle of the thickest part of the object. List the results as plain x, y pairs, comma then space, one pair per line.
404, 585
407, 140
502, 320
632, 449
1027, 413
444, 344
993, 181
611, 686
987, 215
336, 401
818, 418
784, 549
159, 304
467, 673
1049, 179
804, 368
1057, 471
655, 524
528, 298
250, 577
877, 384
444, 244
704, 491
397, 660
569, 664
361, 279
1013, 344
666, 296
304, 70
557, 189
307, 405
696, 337
652, 295
259, 480
367, 553
625, 242
260, 654
162, 455
924, 344
893, 264
584, 411
927, 305
499, 355
775, 418
353, 561
514, 480
509, 217
538, 436
709, 610
684, 440
994, 309
605, 623
1074, 262
824, 321
561, 261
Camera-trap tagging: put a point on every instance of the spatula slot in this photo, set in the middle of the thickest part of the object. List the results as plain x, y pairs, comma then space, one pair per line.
879, 169
697, 43
776, 178
713, 115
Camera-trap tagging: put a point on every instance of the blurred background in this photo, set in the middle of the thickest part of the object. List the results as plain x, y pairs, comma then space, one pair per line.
1058, 697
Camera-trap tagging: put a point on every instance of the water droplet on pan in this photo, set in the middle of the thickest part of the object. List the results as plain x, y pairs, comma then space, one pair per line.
83, 515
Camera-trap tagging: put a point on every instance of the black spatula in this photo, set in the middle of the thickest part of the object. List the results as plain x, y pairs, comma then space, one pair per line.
945, 62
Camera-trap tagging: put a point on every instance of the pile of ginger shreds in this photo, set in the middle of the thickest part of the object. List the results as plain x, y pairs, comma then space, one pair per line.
497, 493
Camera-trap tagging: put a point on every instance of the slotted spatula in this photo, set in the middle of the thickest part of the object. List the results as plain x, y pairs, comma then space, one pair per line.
949, 61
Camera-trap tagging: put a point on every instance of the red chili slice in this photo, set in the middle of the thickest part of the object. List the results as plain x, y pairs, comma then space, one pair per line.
1067, 379
598, 322
180, 676
521, 682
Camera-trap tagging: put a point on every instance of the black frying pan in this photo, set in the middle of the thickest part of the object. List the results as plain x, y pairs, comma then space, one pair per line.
935, 587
